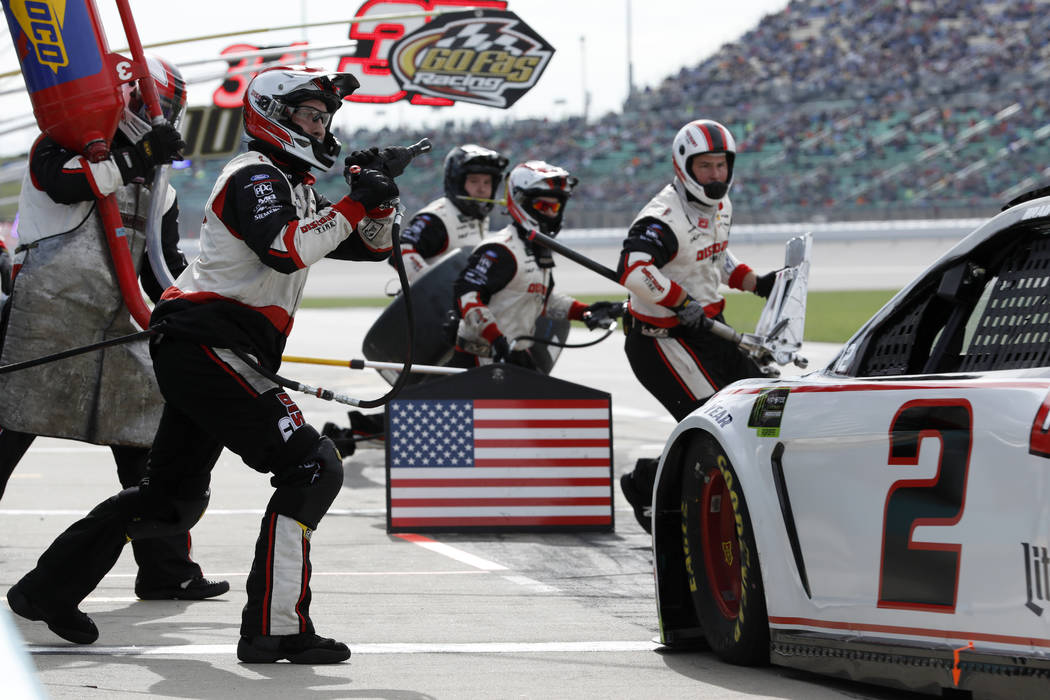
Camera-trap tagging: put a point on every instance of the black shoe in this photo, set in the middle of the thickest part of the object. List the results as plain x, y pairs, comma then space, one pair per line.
194, 589
642, 503
297, 648
72, 625
367, 426
342, 437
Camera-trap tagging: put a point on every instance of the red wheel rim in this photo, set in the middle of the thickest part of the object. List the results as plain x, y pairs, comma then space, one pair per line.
721, 547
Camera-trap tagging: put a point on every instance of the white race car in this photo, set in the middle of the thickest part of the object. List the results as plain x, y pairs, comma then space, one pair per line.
887, 518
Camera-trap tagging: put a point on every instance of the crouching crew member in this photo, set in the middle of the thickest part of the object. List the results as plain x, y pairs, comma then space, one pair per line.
508, 282
674, 258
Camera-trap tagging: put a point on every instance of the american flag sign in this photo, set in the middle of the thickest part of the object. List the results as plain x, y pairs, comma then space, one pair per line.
491, 463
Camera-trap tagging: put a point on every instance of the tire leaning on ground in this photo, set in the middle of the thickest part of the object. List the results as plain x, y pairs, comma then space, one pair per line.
721, 558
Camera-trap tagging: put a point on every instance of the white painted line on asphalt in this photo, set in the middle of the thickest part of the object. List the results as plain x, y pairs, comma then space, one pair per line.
322, 574
359, 649
533, 584
452, 553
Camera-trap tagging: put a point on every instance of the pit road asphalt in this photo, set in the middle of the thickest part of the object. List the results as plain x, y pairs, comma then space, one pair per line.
446, 616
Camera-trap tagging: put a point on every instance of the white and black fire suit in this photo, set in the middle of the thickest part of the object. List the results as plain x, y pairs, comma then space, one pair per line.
505, 287
675, 245
436, 229
66, 295
264, 227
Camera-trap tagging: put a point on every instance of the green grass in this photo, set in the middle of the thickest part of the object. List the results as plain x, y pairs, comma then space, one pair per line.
831, 317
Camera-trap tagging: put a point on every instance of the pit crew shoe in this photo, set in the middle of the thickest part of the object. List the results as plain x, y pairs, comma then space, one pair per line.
71, 625
191, 589
296, 648
342, 437
367, 426
640, 502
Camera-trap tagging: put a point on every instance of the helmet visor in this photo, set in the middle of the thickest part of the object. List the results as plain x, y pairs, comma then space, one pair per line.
547, 206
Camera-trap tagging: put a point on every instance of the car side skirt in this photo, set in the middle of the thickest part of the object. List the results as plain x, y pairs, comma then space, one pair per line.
924, 669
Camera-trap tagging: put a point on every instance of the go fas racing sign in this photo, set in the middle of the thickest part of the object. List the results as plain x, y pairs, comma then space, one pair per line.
486, 57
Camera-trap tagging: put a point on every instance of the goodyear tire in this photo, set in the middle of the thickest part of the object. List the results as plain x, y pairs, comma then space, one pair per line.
721, 558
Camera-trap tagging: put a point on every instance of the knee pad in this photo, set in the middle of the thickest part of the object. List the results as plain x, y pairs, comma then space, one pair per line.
161, 517
304, 491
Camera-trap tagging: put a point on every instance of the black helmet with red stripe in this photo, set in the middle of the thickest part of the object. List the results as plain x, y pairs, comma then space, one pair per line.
696, 138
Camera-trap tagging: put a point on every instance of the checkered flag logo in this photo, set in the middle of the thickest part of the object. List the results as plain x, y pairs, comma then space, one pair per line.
485, 36
487, 57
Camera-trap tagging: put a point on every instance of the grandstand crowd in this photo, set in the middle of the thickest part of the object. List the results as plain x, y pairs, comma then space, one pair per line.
845, 110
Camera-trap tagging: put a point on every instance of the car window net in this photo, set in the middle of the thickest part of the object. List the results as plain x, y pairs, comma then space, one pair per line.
1014, 330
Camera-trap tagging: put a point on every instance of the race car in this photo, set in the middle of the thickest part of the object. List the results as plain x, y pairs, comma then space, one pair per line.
887, 518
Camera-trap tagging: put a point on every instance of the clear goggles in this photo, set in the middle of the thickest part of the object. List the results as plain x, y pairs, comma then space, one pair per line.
312, 114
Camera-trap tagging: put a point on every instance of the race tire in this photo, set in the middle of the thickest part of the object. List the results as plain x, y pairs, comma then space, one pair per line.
725, 580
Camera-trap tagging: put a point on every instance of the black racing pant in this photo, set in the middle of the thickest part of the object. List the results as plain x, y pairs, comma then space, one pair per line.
212, 400
683, 372
164, 561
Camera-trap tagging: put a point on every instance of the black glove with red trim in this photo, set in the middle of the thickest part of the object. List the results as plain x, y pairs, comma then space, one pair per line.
764, 284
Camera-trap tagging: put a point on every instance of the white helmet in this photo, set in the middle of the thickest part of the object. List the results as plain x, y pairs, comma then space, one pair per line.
533, 179
171, 92
272, 96
693, 139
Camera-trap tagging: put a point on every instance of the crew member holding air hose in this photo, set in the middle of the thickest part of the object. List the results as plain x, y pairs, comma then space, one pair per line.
232, 308
674, 258
65, 295
508, 282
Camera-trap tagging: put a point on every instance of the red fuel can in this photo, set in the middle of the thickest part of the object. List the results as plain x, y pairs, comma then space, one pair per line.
73, 79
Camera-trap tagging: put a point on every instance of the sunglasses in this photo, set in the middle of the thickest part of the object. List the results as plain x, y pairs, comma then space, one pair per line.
550, 208
314, 115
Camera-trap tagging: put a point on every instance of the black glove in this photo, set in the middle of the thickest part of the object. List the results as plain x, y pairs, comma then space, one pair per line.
371, 188
500, 349
691, 315
601, 313
162, 145
390, 161
764, 284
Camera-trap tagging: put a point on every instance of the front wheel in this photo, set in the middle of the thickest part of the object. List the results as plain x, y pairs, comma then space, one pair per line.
725, 581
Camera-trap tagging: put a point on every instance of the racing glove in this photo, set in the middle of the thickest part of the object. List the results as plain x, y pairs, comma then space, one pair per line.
500, 349
160, 146
371, 188
764, 284
600, 314
390, 161
691, 315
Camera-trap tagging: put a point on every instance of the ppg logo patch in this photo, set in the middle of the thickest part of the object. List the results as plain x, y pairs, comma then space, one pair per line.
263, 188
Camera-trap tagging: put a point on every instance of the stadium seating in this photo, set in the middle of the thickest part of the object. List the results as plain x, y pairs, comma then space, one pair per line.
842, 111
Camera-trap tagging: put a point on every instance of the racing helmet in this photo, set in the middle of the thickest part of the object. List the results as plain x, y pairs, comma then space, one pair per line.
464, 160
171, 91
271, 98
696, 138
531, 180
